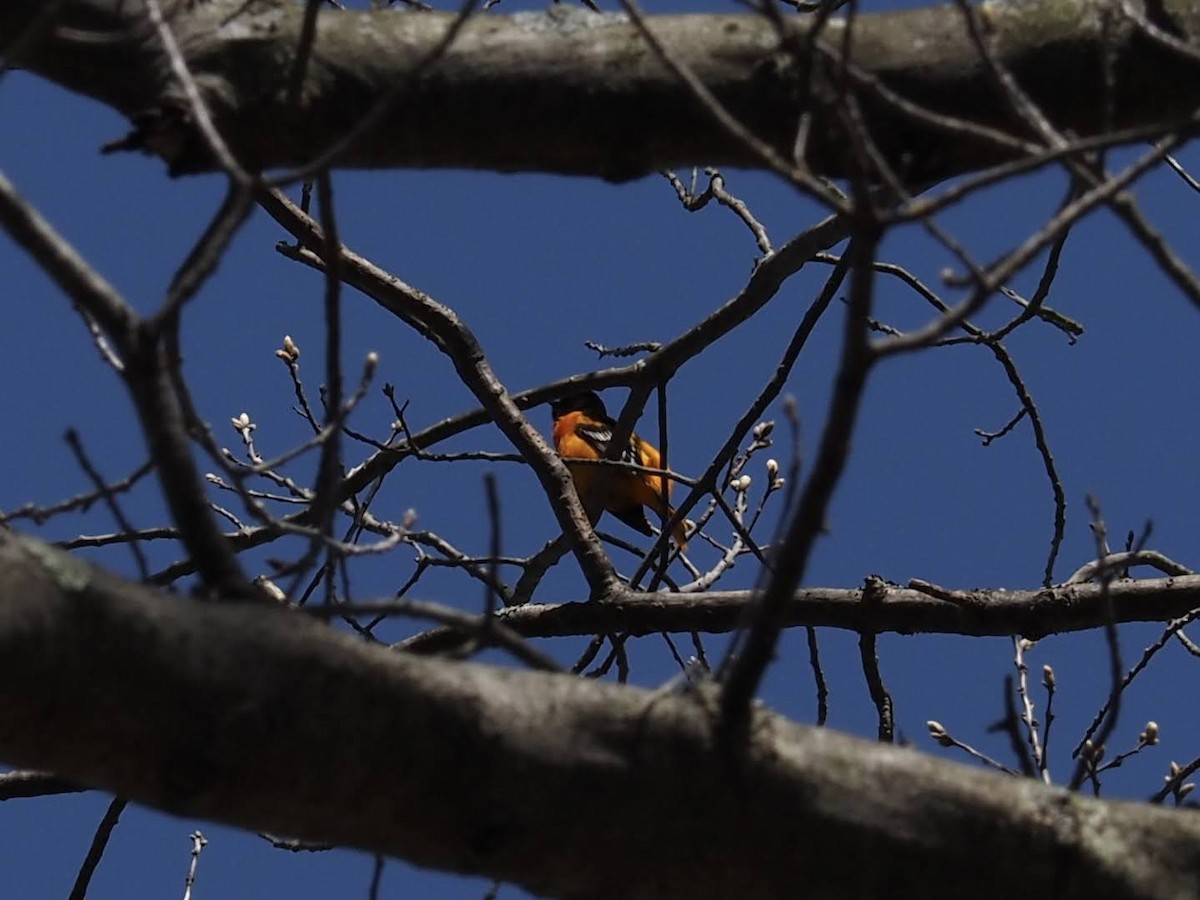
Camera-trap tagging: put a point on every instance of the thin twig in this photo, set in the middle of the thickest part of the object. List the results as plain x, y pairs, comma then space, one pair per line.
114, 508
199, 842
743, 673
99, 842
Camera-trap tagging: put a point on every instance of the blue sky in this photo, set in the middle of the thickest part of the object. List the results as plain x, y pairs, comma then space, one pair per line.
537, 265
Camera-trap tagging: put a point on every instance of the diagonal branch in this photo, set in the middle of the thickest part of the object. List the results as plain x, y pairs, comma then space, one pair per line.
441, 326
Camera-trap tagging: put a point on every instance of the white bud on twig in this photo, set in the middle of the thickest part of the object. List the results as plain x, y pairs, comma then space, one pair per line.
289, 352
939, 733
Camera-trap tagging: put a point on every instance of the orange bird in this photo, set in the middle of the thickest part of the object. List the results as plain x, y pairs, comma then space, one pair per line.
583, 429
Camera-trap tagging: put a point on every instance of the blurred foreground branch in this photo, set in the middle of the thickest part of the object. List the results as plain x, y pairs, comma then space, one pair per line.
263, 718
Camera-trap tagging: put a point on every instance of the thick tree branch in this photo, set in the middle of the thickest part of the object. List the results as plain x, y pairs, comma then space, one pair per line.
579, 93
265, 719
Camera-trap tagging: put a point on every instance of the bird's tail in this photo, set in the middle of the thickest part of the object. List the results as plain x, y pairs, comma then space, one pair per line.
653, 499
679, 532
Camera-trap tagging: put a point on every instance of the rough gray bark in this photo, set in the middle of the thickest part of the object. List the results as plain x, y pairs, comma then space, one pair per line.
578, 93
266, 719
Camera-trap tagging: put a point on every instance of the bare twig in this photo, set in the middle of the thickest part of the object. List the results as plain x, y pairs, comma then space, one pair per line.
1037, 751
99, 842
743, 673
1106, 720
199, 842
114, 508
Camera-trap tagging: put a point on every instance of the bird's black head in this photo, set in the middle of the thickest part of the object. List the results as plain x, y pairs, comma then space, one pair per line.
586, 402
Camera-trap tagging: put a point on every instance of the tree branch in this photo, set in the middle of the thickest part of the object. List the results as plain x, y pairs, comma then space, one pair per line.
582, 94
264, 719
899, 610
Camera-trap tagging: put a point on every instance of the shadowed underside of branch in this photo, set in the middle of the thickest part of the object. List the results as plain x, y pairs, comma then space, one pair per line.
265, 719
579, 93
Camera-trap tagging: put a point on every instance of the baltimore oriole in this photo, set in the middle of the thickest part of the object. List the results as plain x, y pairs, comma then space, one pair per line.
583, 429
